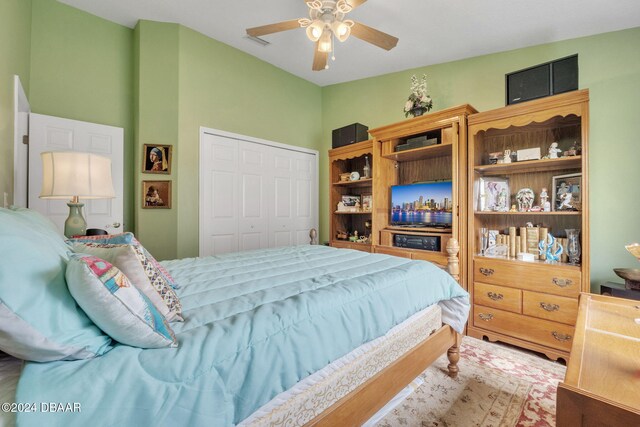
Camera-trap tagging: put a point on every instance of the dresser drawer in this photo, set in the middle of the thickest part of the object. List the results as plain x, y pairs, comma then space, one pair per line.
551, 307
539, 331
501, 297
554, 279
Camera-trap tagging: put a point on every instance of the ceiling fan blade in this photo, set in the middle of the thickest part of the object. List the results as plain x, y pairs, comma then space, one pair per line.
373, 36
319, 58
273, 28
355, 3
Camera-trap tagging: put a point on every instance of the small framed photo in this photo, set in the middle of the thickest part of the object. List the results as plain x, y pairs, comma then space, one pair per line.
156, 194
567, 192
493, 194
351, 201
367, 202
157, 158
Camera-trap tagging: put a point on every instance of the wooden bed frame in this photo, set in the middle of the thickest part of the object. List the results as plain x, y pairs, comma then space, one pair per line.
357, 407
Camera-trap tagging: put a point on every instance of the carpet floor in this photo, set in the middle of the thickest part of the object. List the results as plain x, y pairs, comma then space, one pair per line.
496, 386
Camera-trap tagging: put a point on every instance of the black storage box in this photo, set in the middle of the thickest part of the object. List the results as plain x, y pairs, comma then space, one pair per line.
355, 132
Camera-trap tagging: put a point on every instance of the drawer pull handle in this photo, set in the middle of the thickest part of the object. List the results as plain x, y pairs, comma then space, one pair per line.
563, 283
486, 271
494, 296
561, 337
549, 307
485, 317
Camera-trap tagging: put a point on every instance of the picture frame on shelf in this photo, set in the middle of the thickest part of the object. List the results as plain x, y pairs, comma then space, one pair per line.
493, 194
351, 201
567, 192
156, 194
157, 158
367, 202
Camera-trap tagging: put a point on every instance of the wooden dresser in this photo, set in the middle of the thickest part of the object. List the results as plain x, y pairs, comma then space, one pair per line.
602, 383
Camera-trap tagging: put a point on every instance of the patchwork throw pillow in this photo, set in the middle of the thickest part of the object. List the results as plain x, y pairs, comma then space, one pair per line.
128, 238
39, 319
131, 260
116, 306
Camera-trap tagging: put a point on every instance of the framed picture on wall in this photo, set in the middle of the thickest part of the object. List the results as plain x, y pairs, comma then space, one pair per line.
156, 194
157, 158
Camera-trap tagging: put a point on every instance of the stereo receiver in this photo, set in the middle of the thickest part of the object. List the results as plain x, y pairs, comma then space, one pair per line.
411, 241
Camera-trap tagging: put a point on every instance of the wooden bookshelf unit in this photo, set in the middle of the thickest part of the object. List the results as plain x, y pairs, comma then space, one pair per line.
529, 304
344, 160
444, 161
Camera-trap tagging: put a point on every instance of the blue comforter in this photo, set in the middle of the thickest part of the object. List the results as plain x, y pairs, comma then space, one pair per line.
255, 324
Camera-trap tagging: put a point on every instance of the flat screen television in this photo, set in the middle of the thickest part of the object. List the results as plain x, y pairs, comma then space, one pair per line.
425, 204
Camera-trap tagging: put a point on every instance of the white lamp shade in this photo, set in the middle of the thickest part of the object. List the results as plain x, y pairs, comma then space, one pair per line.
314, 30
342, 30
66, 174
325, 44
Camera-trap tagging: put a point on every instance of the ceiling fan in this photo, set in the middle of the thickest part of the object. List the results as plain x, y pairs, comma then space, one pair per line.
327, 21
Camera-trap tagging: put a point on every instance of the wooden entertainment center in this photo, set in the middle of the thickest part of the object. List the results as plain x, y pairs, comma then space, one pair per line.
443, 161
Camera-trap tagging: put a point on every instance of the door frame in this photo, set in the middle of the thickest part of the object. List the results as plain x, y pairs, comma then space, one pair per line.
217, 132
21, 110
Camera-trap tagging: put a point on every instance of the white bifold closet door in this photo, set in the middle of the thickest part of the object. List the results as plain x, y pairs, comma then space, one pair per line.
255, 195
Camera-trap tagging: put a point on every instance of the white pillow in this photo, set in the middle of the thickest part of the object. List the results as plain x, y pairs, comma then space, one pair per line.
130, 259
116, 306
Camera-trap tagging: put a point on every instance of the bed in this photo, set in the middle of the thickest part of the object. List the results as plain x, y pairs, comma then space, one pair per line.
269, 337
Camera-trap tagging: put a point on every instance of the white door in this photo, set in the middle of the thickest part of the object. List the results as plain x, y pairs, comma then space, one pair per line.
253, 189
47, 133
254, 194
294, 199
219, 202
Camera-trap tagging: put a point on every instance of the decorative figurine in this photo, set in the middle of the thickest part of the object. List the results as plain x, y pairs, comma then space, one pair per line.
513, 208
341, 235
357, 205
507, 156
525, 198
554, 150
341, 207
546, 207
543, 196
546, 248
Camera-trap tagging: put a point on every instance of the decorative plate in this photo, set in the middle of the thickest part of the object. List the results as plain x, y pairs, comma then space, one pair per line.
354, 176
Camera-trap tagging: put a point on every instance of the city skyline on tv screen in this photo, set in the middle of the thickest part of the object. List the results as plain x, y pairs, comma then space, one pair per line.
440, 192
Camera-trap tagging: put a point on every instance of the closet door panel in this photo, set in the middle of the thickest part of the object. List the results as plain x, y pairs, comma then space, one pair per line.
219, 196
253, 221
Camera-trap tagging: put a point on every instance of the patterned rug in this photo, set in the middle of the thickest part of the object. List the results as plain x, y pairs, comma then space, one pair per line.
496, 386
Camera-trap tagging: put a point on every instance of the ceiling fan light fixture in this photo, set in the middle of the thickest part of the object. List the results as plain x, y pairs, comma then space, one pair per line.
315, 30
342, 30
325, 44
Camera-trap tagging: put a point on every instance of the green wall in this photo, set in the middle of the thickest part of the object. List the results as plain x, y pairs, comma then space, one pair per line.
187, 80
156, 123
609, 67
15, 45
82, 69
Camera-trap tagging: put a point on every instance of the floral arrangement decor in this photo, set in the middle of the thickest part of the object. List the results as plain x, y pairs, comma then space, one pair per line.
419, 101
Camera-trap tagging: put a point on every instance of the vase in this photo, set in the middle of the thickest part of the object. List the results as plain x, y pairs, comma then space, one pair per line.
418, 111
573, 246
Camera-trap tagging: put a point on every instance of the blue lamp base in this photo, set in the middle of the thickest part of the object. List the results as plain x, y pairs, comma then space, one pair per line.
75, 225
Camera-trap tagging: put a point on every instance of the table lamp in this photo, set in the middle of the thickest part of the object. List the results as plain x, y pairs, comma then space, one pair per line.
74, 175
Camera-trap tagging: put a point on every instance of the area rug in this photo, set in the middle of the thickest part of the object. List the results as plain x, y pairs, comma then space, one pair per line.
496, 386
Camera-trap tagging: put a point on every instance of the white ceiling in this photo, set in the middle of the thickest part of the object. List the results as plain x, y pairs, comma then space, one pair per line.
430, 31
